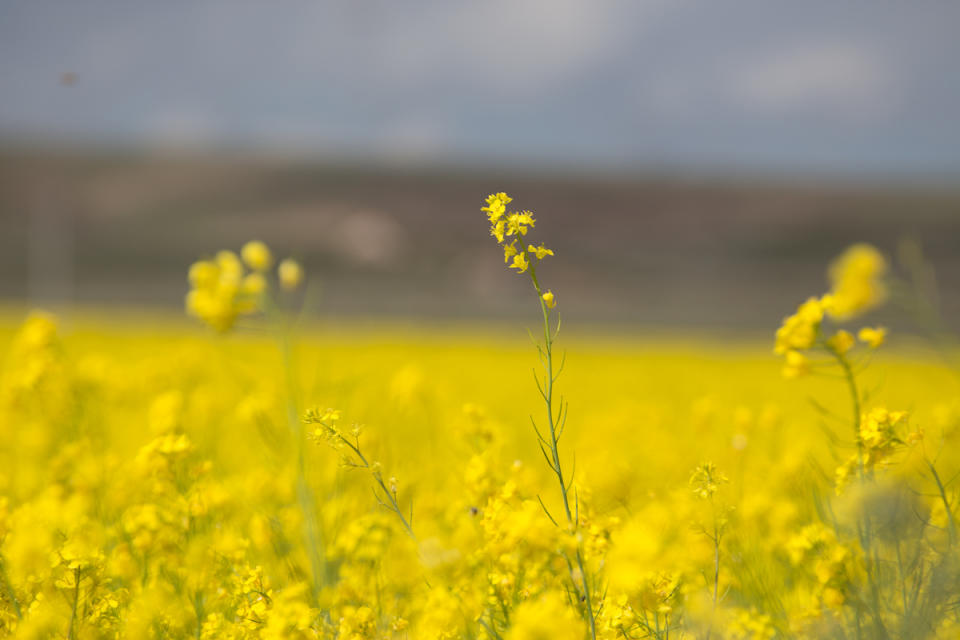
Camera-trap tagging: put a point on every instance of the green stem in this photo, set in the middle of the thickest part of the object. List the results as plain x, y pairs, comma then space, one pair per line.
864, 525
952, 525
378, 477
305, 497
10, 592
76, 599
548, 399
855, 399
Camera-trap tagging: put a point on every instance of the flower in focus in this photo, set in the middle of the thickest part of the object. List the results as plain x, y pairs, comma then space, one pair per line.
549, 299
540, 251
520, 263
512, 225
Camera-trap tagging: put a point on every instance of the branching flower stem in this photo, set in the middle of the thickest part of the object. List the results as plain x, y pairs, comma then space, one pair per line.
864, 525
555, 431
391, 503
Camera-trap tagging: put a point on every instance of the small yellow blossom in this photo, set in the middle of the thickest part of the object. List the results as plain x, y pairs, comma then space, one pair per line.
519, 223
509, 250
541, 251
706, 480
841, 342
872, 336
549, 299
857, 281
799, 331
496, 207
254, 284
795, 365
256, 255
290, 274
520, 263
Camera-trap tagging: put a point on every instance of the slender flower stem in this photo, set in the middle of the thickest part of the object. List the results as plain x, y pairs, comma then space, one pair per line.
312, 531
71, 633
547, 391
951, 523
864, 525
855, 400
9, 589
378, 477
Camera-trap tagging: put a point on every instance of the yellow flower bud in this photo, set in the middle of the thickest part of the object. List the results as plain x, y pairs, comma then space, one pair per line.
290, 273
549, 299
254, 284
841, 342
256, 255
872, 336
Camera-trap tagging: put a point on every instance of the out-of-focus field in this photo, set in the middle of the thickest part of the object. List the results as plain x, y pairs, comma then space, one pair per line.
633, 249
149, 481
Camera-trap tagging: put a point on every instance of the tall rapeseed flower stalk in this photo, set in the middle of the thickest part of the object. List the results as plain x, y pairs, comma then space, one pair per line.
510, 230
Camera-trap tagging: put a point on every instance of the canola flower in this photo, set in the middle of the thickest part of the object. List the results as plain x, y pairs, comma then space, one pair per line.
854, 578
221, 289
166, 485
509, 228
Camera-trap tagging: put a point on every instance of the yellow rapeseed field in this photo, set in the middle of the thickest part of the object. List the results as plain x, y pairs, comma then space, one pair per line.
252, 476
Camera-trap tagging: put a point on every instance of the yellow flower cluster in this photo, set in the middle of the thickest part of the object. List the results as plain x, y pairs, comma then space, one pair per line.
857, 287
509, 228
857, 281
194, 524
164, 485
221, 289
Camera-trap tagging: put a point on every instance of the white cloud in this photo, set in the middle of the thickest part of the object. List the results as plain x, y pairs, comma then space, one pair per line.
507, 46
841, 77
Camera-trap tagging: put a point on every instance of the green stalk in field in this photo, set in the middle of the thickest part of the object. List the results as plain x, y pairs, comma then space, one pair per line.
222, 291
510, 231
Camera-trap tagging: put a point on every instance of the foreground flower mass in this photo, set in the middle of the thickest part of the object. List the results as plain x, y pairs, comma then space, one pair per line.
173, 482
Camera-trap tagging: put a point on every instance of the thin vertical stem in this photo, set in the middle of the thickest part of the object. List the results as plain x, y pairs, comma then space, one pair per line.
557, 468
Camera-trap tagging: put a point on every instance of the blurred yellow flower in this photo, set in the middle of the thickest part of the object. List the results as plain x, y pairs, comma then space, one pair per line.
257, 256
290, 274
857, 282
873, 336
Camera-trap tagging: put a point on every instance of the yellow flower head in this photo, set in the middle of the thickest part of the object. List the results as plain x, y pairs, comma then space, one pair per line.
549, 299
799, 331
541, 251
496, 206
509, 250
872, 336
520, 263
256, 255
706, 480
254, 284
841, 342
796, 365
857, 282
290, 274
221, 290
520, 223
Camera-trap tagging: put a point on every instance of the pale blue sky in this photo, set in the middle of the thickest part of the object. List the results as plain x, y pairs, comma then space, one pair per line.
855, 87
